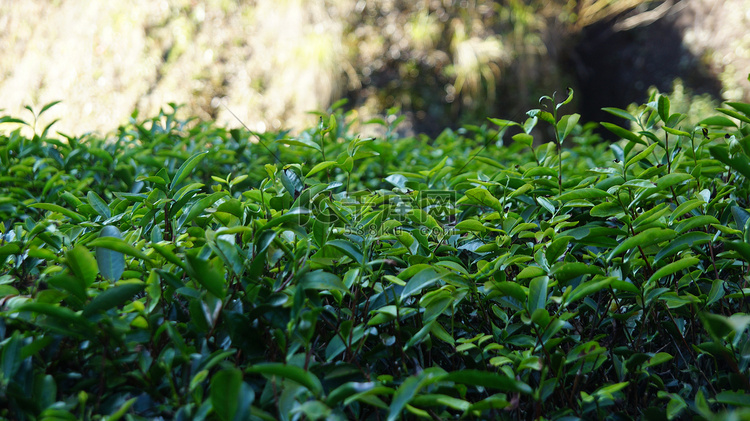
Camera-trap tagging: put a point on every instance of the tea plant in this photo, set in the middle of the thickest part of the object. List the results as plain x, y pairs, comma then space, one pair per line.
180, 270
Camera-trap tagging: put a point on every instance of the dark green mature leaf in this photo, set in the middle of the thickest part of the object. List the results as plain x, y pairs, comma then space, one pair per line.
564, 272
425, 278
201, 205
73, 284
510, 289
299, 375
700, 221
410, 387
591, 287
673, 268
717, 325
741, 247
110, 261
440, 400
99, 205
8, 249
662, 184
186, 169
741, 107
537, 293
641, 155
733, 398
63, 319
113, 297
10, 357
348, 248
489, 380
644, 239
226, 386
741, 216
684, 241
205, 273
585, 193
738, 162
321, 280
346, 390
298, 215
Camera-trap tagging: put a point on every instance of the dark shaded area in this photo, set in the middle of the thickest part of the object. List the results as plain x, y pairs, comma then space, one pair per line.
615, 68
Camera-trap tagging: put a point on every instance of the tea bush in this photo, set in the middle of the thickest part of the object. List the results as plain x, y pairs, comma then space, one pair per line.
180, 270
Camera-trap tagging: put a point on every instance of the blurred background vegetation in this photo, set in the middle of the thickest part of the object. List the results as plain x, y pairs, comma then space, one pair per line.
441, 63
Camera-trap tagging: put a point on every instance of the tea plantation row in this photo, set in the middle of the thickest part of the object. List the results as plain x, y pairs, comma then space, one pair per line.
180, 270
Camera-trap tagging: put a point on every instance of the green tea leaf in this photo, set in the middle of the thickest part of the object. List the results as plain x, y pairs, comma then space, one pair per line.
186, 169
203, 271
113, 297
82, 263
537, 294
169, 255
641, 155
717, 120
225, 393
695, 222
510, 289
118, 245
738, 162
684, 241
471, 225
623, 133
321, 280
644, 239
733, 398
565, 271
587, 288
673, 268
304, 378
489, 380
77, 217
423, 279
111, 262
482, 197
410, 387
685, 208
584, 193
741, 247
201, 205
617, 112
99, 205
348, 248
346, 390
566, 125
73, 284
663, 108
320, 167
